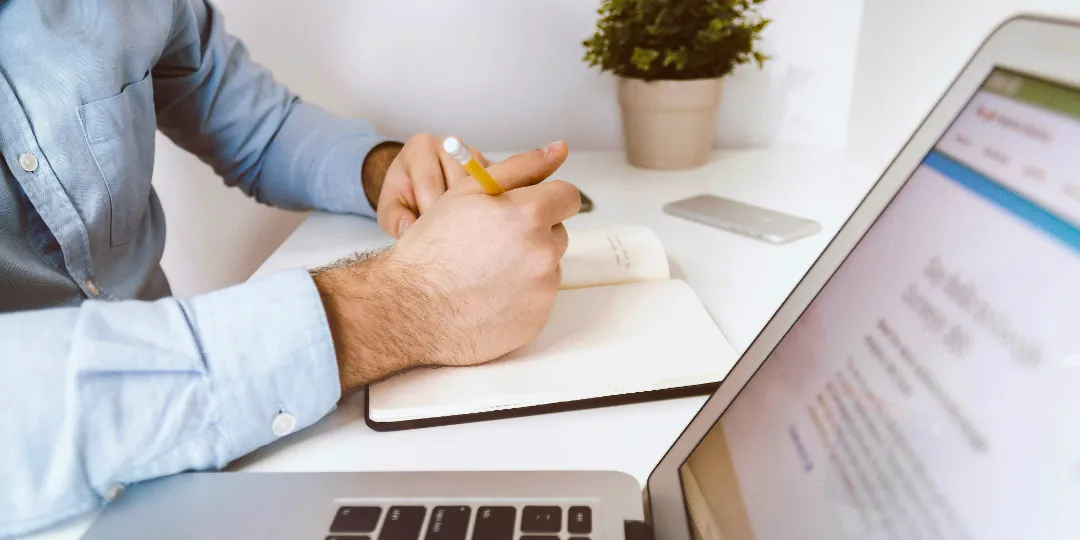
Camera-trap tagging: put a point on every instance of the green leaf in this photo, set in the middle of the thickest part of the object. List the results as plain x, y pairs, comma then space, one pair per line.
643, 58
760, 59
677, 57
657, 26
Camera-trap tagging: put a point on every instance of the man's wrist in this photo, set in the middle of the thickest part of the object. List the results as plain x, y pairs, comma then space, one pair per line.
340, 287
373, 171
374, 332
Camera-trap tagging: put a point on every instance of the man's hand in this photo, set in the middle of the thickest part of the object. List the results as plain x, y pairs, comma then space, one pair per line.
472, 280
402, 183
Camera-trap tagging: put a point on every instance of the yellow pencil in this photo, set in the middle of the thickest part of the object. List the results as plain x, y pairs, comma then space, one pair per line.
473, 167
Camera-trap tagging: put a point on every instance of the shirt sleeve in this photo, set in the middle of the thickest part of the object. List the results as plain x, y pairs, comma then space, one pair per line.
215, 102
108, 394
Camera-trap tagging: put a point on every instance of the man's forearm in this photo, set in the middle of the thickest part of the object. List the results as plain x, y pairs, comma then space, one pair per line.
219, 104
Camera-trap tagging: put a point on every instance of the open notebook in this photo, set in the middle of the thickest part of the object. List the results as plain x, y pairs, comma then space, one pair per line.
621, 331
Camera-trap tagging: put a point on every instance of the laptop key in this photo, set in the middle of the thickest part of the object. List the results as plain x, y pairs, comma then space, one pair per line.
539, 537
357, 519
541, 519
348, 538
494, 523
403, 523
448, 523
579, 521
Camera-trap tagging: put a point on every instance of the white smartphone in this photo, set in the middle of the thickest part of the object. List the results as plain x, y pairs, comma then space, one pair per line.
742, 218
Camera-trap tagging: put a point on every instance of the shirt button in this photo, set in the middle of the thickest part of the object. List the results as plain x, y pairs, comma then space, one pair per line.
113, 492
283, 424
90, 286
28, 162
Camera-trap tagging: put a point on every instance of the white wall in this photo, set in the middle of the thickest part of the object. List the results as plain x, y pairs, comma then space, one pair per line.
502, 74
909, 52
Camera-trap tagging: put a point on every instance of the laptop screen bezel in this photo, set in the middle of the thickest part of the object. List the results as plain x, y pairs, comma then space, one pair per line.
1041, 47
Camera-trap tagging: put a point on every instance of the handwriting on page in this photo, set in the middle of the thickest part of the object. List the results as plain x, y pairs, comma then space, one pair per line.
962, 294
618, 249
612, 255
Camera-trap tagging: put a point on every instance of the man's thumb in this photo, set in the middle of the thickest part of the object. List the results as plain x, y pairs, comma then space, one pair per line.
528, 168
395, 218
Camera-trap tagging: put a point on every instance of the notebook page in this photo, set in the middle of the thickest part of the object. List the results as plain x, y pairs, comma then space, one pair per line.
611, 255
599, 342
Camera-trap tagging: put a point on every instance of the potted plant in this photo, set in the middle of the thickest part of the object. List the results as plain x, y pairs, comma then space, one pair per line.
671, 57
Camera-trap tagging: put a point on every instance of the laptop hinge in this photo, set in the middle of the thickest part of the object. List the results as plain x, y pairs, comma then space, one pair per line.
637, 530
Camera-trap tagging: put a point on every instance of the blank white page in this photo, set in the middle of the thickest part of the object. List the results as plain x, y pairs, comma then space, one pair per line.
598, 342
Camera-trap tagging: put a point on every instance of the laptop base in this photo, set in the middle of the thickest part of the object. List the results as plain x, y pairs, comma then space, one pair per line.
535, 505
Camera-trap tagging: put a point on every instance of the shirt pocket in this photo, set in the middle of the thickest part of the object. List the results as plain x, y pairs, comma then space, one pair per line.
120, 132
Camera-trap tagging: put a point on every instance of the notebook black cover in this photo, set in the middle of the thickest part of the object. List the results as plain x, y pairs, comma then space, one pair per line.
576, 405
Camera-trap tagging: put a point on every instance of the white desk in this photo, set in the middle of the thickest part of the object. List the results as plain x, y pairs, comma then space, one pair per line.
741, 282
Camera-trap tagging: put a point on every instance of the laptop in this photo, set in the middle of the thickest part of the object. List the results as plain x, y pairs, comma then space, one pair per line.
922, 381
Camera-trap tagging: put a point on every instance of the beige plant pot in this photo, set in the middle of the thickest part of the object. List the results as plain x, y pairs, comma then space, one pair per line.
669, 124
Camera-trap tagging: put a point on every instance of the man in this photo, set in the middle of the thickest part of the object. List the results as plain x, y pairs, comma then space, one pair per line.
106, 379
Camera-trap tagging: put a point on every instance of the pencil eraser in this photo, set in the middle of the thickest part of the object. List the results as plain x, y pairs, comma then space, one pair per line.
456, 149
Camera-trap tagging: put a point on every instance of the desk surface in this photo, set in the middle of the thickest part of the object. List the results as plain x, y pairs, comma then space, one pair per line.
741, 282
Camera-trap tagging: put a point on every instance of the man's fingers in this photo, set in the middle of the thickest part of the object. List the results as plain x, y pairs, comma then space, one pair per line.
426, 174
395, 217
548, 203
524, 169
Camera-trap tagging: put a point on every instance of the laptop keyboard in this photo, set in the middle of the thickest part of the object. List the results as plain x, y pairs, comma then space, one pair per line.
453, 523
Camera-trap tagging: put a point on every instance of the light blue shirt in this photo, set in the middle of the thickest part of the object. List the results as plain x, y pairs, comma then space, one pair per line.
106, 379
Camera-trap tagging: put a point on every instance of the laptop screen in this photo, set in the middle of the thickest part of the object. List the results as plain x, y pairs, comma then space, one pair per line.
932, 387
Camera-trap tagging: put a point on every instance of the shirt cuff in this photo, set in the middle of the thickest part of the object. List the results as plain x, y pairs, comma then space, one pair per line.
278, 372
